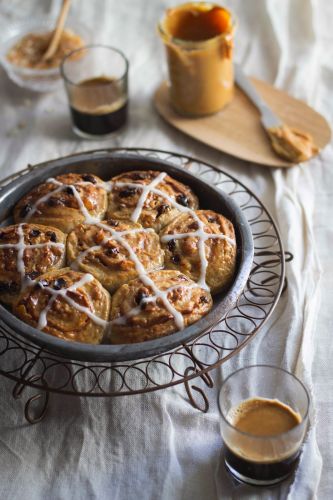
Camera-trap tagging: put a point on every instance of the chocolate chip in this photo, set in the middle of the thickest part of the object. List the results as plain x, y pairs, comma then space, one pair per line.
8, 286
138, 176
182, 200
59, 284
2, 235
194, 226
211, 218
112, 251
69, 190
112, 222
175, 259
34, 233
126, 193
52, 236
140, 296
161, 209
171, 245
88, 178
25, 210
33, 275
203, 299
4, 286
54, 202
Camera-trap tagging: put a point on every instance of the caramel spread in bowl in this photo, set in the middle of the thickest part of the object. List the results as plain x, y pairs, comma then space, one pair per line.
291, 144
28, 51
199, 40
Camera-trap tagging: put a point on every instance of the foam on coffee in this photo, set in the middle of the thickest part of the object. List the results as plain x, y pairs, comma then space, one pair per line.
262, 418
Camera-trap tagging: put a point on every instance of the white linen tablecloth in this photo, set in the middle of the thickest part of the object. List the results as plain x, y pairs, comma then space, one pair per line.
157, 446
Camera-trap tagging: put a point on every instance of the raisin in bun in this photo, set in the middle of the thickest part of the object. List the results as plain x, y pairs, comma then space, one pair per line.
106, 250
26, 252
64, 202
67, 304
131, 199
141, 311
204, 258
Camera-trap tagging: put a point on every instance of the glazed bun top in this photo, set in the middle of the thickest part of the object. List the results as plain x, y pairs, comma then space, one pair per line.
64, 201
107, 251
143, 310
202, 245
149, 197
27, 251
66, 304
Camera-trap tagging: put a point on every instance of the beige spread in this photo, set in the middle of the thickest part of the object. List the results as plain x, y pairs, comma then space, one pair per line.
28, 51
199, 40
292, 144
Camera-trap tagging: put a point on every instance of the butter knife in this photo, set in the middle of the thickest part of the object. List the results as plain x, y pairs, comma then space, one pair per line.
268, 118
291, 144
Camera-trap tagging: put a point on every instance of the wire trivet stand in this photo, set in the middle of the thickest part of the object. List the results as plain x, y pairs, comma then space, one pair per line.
29, 365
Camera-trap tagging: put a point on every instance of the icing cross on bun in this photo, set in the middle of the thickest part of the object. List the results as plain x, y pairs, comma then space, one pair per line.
149, 197
66, 304
143, 311
64, 202
26, 252
98, 249
160, 283
202, 245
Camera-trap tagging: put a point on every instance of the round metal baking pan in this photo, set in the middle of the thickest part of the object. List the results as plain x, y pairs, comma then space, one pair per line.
107, 164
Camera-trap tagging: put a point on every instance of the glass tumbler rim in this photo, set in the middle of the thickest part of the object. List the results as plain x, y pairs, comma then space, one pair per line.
275, 436
93, 46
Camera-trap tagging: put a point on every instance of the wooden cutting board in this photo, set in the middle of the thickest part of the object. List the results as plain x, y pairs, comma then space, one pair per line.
237, 130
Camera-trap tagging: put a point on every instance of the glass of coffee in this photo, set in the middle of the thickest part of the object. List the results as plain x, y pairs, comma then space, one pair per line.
96, 81
264, 416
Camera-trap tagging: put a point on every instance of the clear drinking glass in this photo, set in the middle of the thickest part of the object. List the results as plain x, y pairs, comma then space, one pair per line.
96, 81
262, 460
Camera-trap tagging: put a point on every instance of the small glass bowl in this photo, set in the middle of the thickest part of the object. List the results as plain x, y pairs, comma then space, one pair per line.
39, 80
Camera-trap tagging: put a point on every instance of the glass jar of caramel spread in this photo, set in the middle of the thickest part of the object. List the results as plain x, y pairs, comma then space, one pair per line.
199, 40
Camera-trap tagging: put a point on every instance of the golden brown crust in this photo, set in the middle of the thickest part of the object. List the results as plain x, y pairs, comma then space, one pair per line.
108, 260
157, 210
183, 254
62, 209
64, 320
33, 260
152, 319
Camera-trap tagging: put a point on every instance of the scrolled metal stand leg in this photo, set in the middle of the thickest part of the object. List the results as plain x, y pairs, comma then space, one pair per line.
31, 416
207, 379
288, 257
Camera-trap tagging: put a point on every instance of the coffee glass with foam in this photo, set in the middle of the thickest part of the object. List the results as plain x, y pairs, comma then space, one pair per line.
264, 417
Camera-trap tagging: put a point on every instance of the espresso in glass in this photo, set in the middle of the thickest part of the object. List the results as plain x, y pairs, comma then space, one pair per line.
98, 106
97, 89
264, 416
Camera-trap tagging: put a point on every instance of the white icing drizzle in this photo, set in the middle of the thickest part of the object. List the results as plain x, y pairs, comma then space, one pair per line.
146, 189
41, 200
145, 279
119, 237
121, 320
21, 246
200, 233
86, 278
115, 236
